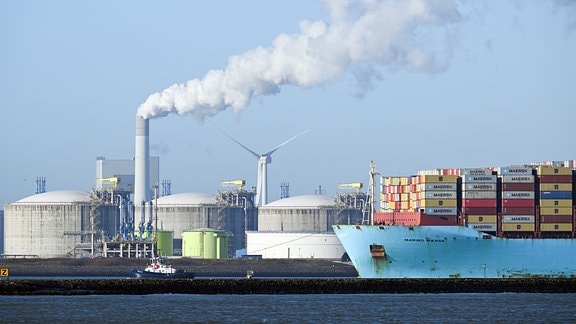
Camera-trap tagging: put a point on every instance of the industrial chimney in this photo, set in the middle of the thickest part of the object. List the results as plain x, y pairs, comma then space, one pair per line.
142, 191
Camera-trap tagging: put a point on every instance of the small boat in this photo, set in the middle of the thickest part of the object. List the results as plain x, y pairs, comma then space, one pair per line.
158, 268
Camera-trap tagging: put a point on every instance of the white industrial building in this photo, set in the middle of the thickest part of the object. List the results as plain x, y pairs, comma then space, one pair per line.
282, 245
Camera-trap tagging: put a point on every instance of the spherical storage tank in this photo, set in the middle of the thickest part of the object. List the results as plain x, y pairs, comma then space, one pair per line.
51, 224
205, 243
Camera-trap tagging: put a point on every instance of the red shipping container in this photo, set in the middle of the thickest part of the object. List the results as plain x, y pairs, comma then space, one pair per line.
555, 219
518, 210
555, 178
479, 203
479, 210
518, 202
517, 186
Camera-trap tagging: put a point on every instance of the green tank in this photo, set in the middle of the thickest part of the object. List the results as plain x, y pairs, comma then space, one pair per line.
165, 242
205, 243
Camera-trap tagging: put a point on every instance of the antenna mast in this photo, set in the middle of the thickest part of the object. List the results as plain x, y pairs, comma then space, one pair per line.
370, 206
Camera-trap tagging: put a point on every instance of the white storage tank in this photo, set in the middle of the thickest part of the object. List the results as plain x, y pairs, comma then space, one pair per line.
50, 224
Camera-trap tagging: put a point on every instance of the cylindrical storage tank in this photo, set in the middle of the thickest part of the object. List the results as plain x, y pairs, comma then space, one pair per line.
164, 243
205, 243
53, 224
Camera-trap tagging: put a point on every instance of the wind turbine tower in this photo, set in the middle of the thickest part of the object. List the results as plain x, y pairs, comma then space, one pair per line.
263, 161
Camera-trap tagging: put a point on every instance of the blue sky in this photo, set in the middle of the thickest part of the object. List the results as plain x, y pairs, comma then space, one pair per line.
462, 84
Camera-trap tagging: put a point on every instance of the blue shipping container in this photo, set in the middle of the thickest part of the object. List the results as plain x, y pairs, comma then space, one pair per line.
556, 195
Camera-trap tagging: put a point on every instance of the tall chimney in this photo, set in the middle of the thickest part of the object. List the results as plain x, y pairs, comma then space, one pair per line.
142, 191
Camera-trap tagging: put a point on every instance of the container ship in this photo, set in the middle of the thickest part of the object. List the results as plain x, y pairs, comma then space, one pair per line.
507, 222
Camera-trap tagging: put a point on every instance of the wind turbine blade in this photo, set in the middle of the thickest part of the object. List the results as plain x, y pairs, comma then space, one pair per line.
287, 141
230, 137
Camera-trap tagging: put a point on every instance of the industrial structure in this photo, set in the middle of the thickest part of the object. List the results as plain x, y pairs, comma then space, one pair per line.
124, 215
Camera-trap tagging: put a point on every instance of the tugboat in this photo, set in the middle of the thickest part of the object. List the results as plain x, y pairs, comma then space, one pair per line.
158, 268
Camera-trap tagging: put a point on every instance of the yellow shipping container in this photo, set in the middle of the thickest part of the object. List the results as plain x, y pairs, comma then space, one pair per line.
555, 187
481, 218
555, 211
438, 178
518, 227
556, 203
437, 203
548, 170
553, 227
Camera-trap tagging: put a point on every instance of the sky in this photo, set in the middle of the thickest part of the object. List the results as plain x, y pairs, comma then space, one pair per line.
411, 85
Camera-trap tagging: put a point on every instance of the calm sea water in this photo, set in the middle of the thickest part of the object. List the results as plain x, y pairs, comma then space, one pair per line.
361, 308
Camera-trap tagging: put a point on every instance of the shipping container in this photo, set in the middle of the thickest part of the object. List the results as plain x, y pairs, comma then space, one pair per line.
518, 203
562, 227
481, 219
479, 210
475, 172
518, 186
518, 194
555, 203
518, 218
556, 219
479, 202
437, 203
438, 178
440, 194
441, 211
556, 211
555, 179
480, 178
474, 194
555, 194
483, 227
546, 170
518, 179
556, 186
516, 170
518, 227
436, 186
479, 186
518, 210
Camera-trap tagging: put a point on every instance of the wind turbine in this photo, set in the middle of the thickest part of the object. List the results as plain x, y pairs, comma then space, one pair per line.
263, 161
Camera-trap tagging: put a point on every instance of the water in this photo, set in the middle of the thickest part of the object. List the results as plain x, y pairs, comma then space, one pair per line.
357, 308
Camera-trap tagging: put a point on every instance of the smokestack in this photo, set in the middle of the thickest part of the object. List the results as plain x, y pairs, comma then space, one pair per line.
142, 162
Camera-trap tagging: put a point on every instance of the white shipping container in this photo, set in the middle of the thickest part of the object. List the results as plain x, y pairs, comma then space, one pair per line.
483, 227
518, 194
518, 178
475, 171
515, 170
480, 186
517, 218
438, 186
480, 178
440, 194
475, 194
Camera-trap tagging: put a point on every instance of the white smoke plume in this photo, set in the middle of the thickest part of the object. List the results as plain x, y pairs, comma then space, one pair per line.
393, 33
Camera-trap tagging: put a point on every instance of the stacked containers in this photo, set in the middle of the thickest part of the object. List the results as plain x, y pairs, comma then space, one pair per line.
395, 194
556, 202
479, 199
518, 199
436, 195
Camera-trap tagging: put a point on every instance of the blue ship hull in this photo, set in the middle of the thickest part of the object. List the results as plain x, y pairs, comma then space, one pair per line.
452, 252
